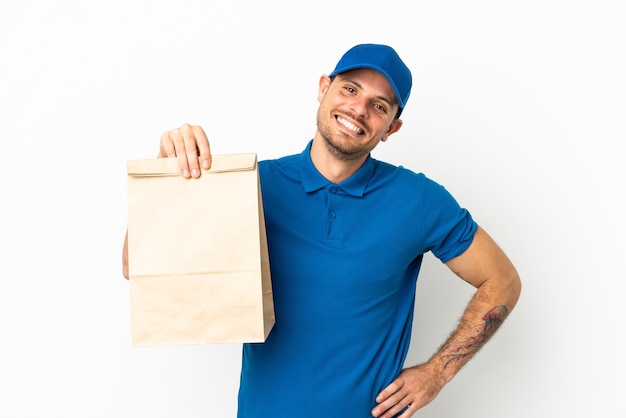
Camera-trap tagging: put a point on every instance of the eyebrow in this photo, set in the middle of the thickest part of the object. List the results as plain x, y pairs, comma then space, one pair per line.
356, 83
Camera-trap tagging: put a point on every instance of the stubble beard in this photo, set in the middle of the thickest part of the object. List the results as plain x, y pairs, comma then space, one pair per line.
336, 147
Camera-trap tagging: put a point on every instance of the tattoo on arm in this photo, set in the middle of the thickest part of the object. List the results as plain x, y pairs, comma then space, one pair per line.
492, 321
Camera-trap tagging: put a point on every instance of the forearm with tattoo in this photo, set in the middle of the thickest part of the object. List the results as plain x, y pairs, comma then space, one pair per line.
455, 351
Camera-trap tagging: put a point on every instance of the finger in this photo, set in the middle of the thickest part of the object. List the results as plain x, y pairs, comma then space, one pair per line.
390, 390
391, 406
173, 145
204, 148
166, 145
188, 153
409, 411
388, 398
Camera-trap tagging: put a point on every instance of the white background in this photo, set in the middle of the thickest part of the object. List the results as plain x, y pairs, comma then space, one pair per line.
517, 108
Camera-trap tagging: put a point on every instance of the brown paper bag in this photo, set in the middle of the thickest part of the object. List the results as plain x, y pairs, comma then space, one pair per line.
198, 264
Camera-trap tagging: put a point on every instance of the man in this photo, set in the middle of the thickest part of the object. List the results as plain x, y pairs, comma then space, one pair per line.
346, 236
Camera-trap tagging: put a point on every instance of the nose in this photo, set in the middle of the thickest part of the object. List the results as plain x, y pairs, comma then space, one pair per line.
360, 106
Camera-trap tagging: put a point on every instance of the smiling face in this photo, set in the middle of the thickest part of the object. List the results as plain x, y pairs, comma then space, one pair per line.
357, 110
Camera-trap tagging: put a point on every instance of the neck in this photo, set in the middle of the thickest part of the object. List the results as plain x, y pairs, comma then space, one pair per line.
329, 165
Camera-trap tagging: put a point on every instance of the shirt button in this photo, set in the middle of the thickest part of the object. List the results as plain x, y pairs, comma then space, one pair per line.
333, 190
332, 214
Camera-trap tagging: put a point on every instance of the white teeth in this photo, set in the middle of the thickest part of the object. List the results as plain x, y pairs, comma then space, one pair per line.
349, 125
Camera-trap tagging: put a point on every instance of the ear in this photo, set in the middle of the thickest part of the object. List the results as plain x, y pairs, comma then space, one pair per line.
395, 126
323, 87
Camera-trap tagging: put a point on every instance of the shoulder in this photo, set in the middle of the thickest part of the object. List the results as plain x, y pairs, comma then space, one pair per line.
281, 162
413, 189
286, 163
400, 177
277, 171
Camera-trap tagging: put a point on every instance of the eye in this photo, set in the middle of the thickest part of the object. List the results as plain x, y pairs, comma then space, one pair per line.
350, 90
380, 108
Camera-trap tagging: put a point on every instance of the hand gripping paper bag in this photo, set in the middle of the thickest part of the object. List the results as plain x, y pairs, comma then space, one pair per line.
198, 264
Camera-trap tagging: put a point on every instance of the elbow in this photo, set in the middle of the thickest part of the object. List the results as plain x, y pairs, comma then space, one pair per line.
513, 289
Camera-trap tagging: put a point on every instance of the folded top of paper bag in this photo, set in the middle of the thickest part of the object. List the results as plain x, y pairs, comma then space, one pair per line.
169, 166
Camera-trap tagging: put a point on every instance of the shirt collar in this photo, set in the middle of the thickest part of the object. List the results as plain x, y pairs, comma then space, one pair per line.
354, 185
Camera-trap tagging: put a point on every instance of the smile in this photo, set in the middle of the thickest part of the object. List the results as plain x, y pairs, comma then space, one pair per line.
349, 125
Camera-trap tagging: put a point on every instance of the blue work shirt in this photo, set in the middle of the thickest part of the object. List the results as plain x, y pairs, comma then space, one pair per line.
344, 260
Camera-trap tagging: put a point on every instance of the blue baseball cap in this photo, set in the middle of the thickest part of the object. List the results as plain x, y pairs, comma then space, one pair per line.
383, 59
